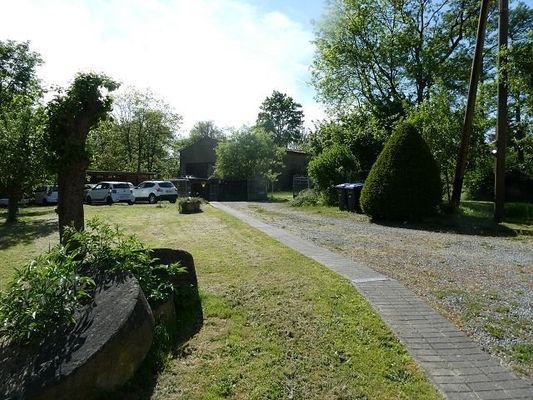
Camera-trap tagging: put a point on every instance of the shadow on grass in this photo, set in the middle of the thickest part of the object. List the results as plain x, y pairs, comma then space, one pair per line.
460, 224
25, 232
170, 337
170, 341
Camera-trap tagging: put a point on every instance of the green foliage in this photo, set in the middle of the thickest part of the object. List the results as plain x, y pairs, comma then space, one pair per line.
189, 205
21, 122
333, 166
439, 121
205, 129
18, 72
73, 114
379, 55
141, 136
283, 118
45, 295
251, 152
305, 198
404, 183
362, 133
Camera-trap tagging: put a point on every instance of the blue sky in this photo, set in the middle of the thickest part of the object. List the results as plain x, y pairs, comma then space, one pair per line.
210, 59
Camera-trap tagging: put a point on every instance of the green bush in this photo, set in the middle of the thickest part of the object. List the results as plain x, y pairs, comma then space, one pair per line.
307, 197
189, 205
333, 166
404, 182
43, 297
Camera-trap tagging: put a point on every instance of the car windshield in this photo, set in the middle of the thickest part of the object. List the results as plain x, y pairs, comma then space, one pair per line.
121, 186
166, 185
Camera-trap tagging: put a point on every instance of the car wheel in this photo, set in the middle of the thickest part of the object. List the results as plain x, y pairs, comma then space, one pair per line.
44, 202
130, 202
172, 201
152, 199
89, 200
109, 201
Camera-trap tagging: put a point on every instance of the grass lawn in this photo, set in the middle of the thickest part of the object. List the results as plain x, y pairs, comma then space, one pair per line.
276, 324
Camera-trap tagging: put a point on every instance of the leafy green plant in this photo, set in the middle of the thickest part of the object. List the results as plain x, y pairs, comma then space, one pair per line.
43, 297
189, 205
333, 166
46, 293
307, 197
404, 182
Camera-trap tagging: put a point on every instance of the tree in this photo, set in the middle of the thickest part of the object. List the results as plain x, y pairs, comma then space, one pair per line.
21, 121
205, 129
379, 55
333, 166
250, 153
404, 183
361, 132
141, 136
70, 118
283, 118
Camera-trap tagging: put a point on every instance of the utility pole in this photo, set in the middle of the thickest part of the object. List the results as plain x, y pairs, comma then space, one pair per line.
470, 104
502, 124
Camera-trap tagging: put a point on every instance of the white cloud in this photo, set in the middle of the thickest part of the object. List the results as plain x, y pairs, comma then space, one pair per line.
210, 59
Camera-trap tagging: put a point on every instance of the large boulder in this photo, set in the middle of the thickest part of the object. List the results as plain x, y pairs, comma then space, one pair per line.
110, 340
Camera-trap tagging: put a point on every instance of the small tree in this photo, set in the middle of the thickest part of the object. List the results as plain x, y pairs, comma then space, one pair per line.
251, 152
333, 166
404, 183
70, 118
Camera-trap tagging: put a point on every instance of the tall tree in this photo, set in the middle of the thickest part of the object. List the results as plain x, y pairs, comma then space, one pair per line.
380, 54
283, 118
70, 118
21, 120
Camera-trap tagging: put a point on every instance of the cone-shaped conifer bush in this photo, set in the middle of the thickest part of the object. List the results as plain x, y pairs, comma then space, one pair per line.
404, 182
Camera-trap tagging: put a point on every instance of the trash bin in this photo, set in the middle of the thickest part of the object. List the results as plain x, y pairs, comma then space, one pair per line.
343, 198
353, 193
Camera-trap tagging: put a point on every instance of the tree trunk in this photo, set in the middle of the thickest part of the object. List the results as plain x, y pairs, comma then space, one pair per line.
12, 208
71, 178
70, 181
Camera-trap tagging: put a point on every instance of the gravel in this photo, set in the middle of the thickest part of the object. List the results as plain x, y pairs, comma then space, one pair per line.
483, 284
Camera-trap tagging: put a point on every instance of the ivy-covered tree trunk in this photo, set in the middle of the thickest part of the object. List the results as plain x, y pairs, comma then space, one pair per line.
70, 180
71, 117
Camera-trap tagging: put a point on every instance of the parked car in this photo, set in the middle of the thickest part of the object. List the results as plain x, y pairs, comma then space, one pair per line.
110, 192
154, 191
46, 194
4, 199
87, 188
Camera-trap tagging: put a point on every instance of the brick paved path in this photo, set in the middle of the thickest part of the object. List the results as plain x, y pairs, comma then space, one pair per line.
454, 363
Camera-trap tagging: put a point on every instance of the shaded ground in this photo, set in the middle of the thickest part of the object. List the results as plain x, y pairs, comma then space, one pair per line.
484, 284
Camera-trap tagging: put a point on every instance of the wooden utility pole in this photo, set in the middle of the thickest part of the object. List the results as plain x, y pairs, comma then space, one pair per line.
471, 101
502, 125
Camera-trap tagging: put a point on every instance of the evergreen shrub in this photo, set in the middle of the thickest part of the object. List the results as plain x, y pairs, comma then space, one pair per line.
404, 182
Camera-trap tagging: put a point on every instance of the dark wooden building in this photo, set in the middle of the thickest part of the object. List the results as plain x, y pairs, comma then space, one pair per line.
198, 159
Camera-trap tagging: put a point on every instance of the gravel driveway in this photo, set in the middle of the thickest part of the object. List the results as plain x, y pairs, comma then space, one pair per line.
483, 284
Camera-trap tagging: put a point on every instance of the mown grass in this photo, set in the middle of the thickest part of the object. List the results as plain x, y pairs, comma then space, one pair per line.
276, 324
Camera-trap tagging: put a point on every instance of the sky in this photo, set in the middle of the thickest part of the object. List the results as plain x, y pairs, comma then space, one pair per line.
209, 59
